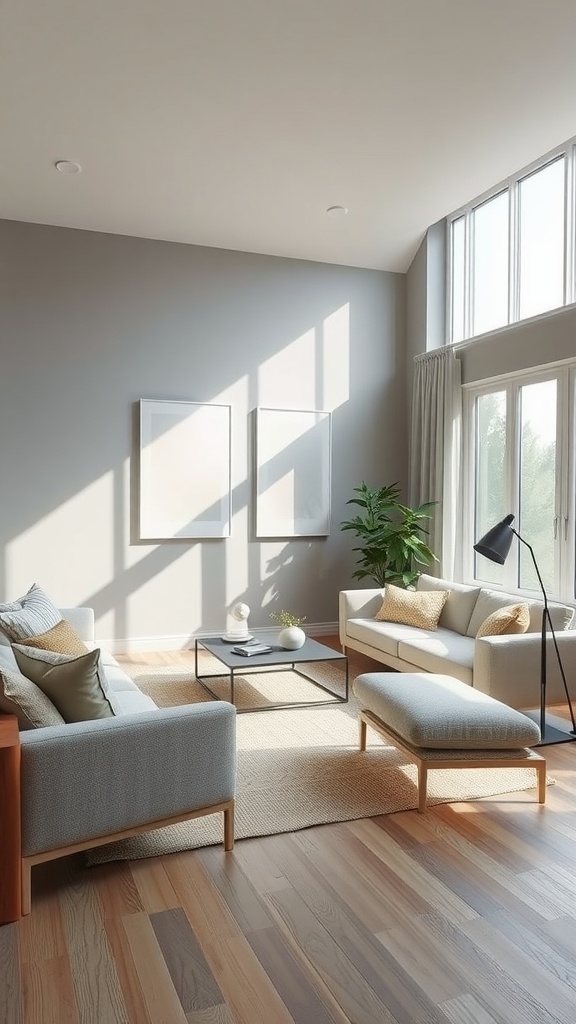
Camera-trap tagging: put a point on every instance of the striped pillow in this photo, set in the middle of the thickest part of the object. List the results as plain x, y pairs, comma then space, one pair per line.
29, 615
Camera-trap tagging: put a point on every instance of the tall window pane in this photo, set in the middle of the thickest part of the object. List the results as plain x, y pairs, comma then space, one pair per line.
542, 221
537, 482
490, 484
458, 280
490, 264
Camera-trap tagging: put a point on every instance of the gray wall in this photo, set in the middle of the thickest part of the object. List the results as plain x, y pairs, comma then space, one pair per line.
534, 343
90, 323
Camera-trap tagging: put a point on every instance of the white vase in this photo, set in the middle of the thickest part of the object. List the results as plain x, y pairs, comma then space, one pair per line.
291, 638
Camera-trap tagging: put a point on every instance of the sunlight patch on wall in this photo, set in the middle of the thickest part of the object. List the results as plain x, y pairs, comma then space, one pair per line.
152, 597
336, 358
237, 570
288, 379
68, 552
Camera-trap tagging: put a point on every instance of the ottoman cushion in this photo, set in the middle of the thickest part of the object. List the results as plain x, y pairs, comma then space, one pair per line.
439, 712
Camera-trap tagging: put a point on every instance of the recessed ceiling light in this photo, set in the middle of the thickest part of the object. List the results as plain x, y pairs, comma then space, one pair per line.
67, 167
337, 211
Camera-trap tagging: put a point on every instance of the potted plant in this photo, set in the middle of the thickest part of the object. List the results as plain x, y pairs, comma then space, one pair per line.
290, 637
392, 535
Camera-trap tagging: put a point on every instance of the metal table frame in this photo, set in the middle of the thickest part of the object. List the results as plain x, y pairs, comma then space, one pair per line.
283, 660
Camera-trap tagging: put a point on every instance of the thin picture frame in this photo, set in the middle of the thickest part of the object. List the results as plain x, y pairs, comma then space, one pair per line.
185, 470
293, 455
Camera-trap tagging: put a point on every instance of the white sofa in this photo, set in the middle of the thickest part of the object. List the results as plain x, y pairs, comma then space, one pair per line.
505, 667
88, 783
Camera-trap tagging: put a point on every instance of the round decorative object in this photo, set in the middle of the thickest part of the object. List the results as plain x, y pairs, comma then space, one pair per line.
240, 611
291, 638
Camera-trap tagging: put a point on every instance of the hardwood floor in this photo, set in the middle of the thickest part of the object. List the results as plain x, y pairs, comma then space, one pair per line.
466, 914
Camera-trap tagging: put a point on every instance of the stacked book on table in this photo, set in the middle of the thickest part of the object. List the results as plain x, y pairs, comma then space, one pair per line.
250, 648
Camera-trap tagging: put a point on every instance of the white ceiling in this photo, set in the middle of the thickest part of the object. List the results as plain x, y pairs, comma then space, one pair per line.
236, 123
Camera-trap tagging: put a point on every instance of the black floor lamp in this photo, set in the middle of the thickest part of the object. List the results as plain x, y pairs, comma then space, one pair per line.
495, 545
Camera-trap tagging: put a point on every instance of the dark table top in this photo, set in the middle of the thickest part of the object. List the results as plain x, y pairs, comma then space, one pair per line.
310, 651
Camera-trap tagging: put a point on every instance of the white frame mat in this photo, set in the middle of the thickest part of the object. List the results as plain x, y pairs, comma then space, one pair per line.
185, 470
293, 473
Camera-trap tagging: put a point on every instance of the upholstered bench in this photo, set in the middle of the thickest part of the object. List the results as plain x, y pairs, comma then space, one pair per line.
440, 722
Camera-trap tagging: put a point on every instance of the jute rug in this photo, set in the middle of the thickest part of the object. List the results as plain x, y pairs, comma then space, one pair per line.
302, 766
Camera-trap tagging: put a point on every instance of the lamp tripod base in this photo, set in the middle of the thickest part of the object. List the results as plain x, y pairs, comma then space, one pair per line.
556, 729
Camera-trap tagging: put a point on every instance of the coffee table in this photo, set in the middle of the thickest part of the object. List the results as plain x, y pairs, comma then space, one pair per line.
276, 661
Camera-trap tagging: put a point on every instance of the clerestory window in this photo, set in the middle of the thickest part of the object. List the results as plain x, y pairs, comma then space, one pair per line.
512, 253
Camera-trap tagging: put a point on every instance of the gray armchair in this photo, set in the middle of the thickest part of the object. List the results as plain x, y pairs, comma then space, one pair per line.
85, 784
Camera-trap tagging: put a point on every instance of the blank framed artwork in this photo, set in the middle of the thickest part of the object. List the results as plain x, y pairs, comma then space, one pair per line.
293, 473
185, 474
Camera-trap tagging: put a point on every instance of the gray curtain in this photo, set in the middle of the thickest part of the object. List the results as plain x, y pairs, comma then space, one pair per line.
435, 452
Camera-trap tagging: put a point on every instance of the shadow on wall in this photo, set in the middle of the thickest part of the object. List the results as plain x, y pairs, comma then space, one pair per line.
99, 321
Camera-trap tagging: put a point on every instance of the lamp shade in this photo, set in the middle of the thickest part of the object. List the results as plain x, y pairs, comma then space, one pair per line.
495, 544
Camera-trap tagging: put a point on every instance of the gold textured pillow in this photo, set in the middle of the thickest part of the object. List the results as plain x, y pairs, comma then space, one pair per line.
62, 638
420, 608
513, 618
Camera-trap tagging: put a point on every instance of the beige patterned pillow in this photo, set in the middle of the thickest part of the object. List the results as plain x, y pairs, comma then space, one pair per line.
513, 618
21, 697
62, 638
420, 608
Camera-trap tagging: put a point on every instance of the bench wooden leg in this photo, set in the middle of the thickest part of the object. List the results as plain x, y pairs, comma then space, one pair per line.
422, 786
541, 772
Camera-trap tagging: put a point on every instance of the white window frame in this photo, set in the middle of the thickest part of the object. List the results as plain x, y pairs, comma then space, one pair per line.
565, 499
511, 185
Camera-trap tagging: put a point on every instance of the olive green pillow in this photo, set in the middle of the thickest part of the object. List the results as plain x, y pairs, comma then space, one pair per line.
75, 685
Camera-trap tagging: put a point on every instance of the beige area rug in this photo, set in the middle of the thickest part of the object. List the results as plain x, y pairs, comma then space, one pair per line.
300, 767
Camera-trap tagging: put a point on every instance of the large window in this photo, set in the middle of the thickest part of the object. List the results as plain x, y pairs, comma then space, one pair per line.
512, 253
519, 458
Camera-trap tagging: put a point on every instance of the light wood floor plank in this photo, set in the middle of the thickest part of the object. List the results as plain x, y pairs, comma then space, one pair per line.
132, 994
11, 1009
155, 889
160, 997
437, 895
42, 937
116, 889
96, 986
467, 1010
49, 992
556, 994
260, 870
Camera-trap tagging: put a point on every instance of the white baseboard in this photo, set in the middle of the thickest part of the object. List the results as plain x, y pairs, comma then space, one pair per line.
185, 641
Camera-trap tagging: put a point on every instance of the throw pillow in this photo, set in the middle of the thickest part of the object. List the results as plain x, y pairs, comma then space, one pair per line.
62, 638
21, 697
75, 685
412, 607
35, 614
513, 618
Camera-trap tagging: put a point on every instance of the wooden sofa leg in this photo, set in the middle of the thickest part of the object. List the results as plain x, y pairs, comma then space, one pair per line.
26, 887
229, 827
362, 732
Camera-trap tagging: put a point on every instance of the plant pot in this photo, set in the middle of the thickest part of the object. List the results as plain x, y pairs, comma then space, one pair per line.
291, 638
